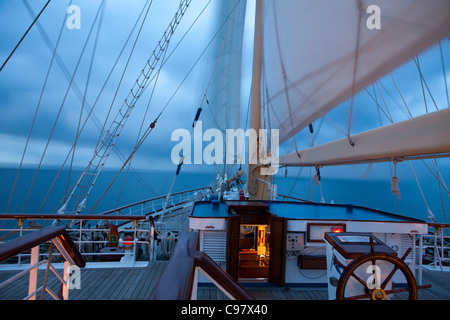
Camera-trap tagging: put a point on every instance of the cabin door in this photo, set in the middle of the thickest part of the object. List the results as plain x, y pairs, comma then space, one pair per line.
234, 223
277, 250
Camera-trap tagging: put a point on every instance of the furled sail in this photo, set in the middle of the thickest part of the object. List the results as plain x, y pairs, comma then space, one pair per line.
317, 54
421, 136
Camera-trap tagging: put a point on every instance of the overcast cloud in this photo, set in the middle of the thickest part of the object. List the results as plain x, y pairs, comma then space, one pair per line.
22, 80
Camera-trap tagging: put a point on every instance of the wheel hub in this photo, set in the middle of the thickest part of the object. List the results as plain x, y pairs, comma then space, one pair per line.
378, 294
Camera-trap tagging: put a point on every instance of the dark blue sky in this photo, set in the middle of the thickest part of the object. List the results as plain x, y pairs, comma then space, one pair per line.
22, 80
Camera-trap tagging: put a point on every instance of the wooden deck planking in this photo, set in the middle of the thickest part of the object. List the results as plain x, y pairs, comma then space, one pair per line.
137, 283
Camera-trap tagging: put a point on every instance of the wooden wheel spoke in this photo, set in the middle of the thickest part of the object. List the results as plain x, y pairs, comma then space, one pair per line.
379, 293
396, 290
359, 279
389, 277
362, 296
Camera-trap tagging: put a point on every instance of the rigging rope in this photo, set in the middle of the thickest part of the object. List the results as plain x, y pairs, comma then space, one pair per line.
152, 125
23, 37
431, 216
440, 189
283, 70
199, 110
423, 82
148, 105
375, 98
61, 108
90, 109
401, 95
123, 76
164, 60
84, 95
355, 68
438, 175
111, 135
36, 111
445, 76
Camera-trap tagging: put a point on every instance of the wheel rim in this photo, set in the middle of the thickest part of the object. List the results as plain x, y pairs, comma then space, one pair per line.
380, 293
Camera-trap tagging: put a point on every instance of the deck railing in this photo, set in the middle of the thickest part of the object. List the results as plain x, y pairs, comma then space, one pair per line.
284, 197
89, 240
154, 206
178, 280
436, 245
31, 241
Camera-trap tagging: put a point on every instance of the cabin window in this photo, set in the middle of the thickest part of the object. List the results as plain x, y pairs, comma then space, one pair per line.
254, 251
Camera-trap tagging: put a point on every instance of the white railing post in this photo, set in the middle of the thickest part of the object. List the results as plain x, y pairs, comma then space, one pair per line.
20, 224
135, 224
195, 285
420, 258
152, 243
65, 290
32, 283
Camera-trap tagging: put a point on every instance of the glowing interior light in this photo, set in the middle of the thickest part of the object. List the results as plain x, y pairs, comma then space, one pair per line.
336, 230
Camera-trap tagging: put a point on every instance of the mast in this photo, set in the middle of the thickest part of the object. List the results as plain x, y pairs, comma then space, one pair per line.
258, 185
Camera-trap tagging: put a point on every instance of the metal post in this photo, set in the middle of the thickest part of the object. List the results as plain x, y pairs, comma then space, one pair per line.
152, 243
34, 259
194, 285
20, 224
135, 223
65, 291
420, 258
437, 258
414, 255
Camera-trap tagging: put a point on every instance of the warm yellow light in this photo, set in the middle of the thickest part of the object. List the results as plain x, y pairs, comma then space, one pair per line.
261, 240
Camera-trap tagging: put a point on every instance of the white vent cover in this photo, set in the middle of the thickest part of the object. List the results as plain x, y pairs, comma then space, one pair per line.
214, 244
408, 242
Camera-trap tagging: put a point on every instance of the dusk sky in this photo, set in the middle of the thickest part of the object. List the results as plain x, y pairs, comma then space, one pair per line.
23, 78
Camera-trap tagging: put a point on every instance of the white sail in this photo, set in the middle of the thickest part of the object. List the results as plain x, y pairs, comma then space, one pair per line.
425, 135
317, 54
224, 95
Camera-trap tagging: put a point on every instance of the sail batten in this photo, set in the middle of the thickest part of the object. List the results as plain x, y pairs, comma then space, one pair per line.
309, 51
424, 136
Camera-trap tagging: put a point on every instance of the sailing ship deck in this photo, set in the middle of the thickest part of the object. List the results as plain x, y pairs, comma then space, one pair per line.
137, 283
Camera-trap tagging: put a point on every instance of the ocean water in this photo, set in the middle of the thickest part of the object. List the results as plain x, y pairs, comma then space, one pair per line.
370, 193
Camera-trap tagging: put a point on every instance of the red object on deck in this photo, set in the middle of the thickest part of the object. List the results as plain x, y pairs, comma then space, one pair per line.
128, 241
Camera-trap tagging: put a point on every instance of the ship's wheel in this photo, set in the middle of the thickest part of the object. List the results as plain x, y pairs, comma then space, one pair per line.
378, 286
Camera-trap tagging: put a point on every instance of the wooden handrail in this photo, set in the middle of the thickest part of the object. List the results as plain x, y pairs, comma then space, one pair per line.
221, 277
177, 279
58, 235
